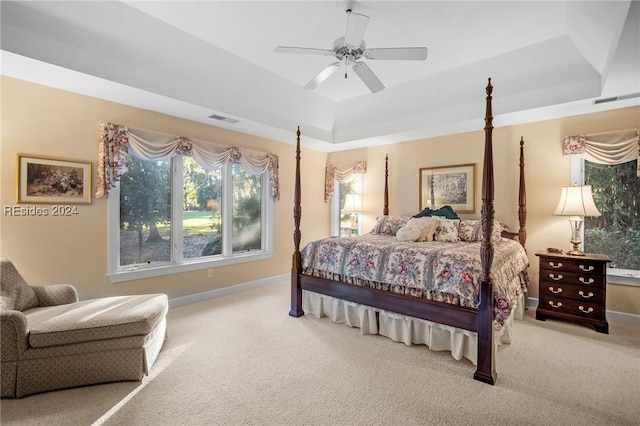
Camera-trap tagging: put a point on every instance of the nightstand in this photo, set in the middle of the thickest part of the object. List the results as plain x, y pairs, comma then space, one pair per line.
573, 288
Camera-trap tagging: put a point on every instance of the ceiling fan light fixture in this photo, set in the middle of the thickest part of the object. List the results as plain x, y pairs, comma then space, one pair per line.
351, 47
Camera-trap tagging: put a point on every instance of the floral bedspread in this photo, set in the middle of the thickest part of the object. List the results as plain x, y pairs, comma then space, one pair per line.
446, 272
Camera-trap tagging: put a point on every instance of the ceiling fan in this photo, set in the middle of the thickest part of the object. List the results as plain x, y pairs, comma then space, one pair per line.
351, 48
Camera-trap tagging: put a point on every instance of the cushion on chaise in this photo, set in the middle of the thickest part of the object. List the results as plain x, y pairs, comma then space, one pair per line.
95, 319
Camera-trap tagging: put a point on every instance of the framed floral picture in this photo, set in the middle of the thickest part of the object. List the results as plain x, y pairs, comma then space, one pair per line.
449, 185
53, 180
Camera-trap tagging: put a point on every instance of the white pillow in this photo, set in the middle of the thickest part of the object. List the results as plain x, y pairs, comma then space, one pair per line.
408, 234
426, 225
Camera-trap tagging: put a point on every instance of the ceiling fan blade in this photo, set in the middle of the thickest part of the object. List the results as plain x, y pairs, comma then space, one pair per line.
303, 50
322, 76
356, 26
397, 53
368, 77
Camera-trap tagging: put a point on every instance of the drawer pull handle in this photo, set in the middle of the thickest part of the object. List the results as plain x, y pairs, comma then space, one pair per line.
553, 277
587, 296
586, 268
559, 290
586, 311
556, 266
556, 306
583, 281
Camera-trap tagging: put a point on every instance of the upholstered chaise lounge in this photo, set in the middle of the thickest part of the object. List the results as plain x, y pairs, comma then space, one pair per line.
50, 340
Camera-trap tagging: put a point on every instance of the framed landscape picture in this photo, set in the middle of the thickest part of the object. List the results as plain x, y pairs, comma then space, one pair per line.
53, 180
448, 185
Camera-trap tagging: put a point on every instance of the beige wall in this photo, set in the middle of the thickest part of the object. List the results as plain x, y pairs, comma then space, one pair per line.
45, 121
547, 170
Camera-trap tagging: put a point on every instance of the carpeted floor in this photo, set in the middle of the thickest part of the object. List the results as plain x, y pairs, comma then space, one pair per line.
240, 359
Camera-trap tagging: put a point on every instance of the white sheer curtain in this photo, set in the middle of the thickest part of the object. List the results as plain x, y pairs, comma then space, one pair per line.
117, 141
341, 173
615, 147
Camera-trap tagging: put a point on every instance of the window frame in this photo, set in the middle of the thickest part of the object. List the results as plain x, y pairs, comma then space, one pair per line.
614, 275
177, 263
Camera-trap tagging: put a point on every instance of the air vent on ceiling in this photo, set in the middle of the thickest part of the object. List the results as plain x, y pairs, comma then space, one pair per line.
223, 118
617, 98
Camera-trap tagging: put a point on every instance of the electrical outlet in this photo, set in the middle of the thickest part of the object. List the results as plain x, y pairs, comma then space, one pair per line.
210, 273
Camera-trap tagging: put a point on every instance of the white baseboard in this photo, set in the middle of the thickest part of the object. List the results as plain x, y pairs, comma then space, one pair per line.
219, 292
611, 315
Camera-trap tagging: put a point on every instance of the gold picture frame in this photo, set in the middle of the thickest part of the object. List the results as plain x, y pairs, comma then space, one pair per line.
448, 185
52, 180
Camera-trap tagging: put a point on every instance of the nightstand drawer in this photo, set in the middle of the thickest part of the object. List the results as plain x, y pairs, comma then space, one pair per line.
577, 292
573, 265
561, 305
564, 277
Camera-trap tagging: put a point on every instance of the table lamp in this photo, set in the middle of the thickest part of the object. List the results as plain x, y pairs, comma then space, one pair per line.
352, 205
576, 202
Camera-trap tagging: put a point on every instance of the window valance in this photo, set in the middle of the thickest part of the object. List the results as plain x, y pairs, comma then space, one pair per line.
615, 147
342, 174
117, 141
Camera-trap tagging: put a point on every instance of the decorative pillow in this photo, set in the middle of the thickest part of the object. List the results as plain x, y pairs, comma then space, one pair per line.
425, 212
471, 230
408, 234
389, 225
426, 225
447, 212
496, 232
447, 230
444, 211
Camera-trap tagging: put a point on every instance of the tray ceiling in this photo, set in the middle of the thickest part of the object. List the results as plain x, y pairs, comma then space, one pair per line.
197, 59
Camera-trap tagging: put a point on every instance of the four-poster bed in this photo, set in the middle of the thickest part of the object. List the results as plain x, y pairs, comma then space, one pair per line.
478, 318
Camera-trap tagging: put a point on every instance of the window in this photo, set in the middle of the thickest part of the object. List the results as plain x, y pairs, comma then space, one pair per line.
201, 210
346, 215
616, 233
145, 212
246, 211
172, 215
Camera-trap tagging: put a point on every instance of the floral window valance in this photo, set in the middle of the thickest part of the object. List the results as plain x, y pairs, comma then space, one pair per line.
117, 141
605, 148
341, 174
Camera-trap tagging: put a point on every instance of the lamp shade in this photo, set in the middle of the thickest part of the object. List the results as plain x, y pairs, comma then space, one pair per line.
576, 201
351, 203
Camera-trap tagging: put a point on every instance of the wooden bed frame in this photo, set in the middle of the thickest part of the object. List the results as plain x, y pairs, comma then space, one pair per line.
478, 320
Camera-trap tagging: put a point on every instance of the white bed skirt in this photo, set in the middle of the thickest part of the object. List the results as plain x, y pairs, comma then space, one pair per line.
405, 329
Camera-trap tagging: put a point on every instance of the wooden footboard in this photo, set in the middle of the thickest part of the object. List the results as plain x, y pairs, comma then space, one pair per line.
478, 320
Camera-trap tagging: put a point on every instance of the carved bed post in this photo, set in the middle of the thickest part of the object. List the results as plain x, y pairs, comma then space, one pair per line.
296, 262
522, 199
385, 210
485, 371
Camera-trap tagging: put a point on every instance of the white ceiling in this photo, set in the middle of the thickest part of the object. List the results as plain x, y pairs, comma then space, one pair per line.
194, 59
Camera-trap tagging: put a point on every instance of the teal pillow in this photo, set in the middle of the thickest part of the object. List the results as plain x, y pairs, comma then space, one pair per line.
446, 212
424, 213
